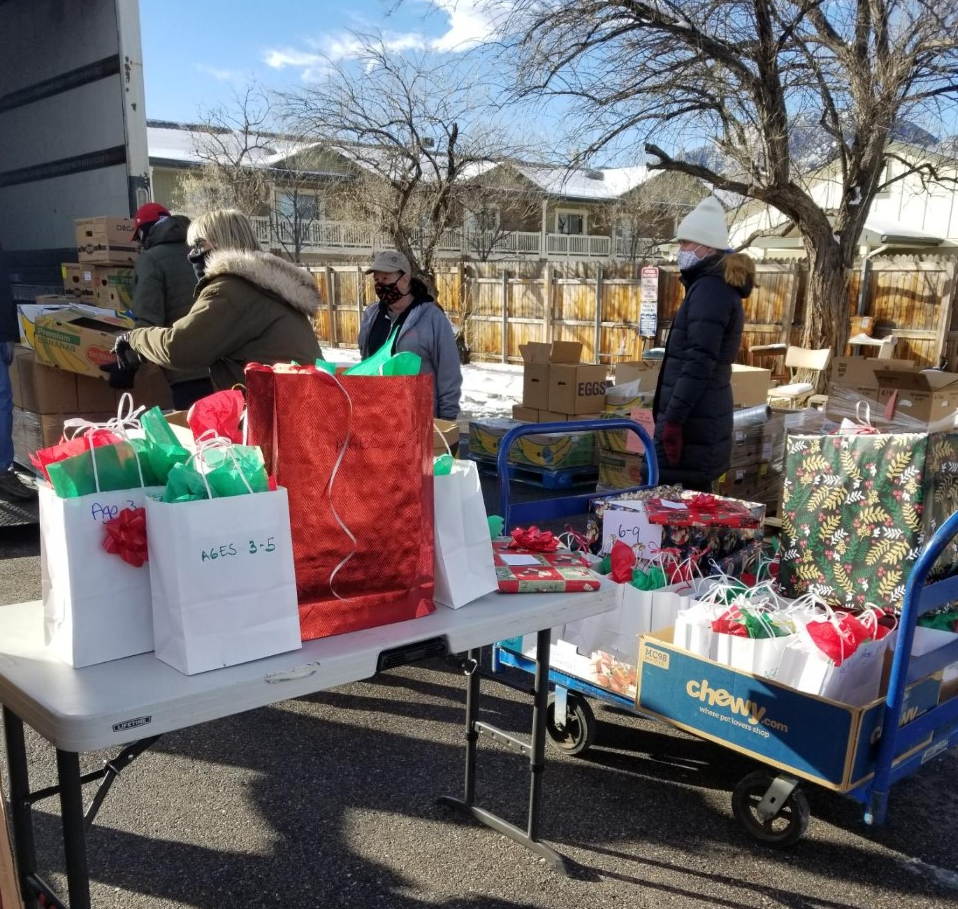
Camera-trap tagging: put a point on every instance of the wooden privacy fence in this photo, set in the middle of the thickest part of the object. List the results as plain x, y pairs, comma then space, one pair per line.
504, 305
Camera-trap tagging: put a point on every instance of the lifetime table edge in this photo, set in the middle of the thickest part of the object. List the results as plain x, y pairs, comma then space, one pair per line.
117, 703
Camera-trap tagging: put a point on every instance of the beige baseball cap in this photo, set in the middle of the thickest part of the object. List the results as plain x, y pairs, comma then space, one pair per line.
390, 260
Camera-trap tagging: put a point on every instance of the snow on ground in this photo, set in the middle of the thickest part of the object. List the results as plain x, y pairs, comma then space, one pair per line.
488, 389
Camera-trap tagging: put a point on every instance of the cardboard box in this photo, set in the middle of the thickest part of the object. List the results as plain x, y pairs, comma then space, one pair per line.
525, 414
447, 430
850, 372
925, 396
551, 450
78, 281
27, 316
76, 341
750, 385
537, 358
549, 416
32, 431
106, 240
577, 389
46, 390
619, 470
645, 372
832, 744
113, 287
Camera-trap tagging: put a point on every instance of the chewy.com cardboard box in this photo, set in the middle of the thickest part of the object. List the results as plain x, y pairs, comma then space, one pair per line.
829, 743
77, 341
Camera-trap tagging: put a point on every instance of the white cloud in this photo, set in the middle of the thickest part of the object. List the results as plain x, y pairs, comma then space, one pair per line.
468, 23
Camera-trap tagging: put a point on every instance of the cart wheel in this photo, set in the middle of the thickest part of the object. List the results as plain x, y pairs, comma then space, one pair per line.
578, 733
783, 829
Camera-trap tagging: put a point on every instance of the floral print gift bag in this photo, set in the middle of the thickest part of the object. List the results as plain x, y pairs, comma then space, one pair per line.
857, 510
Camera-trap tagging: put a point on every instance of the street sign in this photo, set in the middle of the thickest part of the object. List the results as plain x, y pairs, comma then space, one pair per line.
649, 305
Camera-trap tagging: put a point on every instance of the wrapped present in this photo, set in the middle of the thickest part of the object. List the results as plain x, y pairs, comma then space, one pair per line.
857, 510
520, 571
687, 525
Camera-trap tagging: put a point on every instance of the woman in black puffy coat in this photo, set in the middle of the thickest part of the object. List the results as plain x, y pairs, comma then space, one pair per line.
693, 399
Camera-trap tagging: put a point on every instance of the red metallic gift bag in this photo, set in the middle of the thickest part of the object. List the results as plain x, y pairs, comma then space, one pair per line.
355, 454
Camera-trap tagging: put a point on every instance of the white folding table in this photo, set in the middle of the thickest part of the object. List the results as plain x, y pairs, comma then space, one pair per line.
131, 702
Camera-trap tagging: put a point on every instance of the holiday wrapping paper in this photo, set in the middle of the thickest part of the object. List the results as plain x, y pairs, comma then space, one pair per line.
857, 510
536, 572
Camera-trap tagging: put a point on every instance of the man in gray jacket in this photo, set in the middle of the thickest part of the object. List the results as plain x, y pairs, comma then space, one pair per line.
163, 287
405, 306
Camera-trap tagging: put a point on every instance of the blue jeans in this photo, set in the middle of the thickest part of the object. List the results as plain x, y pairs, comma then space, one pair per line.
6, 406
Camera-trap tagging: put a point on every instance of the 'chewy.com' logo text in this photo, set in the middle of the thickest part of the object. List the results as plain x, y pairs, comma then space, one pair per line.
751, 711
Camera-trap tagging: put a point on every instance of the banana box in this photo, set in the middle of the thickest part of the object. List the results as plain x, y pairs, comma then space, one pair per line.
74, 340
27, 314
78, 280
113, 286
620, 470
551, 450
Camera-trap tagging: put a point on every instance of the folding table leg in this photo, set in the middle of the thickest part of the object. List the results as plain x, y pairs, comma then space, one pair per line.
74, 829
24, 848
534, 751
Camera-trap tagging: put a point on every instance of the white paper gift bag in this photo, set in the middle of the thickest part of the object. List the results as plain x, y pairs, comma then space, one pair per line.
759, 656
465, 569
636, 612
224, 591
856, 680
96, 607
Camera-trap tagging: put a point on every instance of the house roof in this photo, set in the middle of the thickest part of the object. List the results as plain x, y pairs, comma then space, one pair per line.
597, 185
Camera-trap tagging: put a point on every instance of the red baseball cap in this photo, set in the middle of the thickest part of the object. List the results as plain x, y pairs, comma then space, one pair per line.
147, 214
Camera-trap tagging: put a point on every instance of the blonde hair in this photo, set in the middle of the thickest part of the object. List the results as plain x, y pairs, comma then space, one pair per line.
224, 228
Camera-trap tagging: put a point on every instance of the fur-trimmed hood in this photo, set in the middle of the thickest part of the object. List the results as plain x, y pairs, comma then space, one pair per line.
738, 270
275, 276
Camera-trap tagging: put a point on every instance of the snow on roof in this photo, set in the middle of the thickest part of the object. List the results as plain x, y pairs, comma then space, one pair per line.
586, 185
889, 230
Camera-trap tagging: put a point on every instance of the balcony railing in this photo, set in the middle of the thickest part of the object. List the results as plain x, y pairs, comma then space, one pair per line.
333, 236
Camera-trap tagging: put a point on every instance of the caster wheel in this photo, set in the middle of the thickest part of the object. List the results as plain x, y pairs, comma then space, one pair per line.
578, 733
785, 828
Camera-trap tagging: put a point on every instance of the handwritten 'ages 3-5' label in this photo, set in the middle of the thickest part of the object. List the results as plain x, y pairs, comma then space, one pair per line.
233, 549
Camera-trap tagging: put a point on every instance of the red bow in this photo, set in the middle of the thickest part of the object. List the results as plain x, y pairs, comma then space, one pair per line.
534, 540
126, 536
702, 501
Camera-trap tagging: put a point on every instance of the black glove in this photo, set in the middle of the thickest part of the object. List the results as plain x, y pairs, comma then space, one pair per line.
123, 372
119, 377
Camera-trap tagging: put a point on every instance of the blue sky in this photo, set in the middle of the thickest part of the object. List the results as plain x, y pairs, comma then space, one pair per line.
195, 52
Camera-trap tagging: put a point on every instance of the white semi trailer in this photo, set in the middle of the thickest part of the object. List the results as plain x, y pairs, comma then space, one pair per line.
72, 128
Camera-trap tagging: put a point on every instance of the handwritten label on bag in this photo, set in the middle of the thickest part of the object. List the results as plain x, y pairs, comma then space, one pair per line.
227, 550
102, 513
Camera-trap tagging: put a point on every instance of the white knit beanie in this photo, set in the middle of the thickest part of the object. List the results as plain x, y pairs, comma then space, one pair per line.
705, 224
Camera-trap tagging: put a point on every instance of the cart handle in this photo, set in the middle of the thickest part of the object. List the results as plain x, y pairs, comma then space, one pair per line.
508, 440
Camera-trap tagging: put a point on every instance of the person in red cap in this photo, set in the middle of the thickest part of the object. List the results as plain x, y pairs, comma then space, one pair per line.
164, 283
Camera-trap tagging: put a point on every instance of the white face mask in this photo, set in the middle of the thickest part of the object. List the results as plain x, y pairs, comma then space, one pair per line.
688, 258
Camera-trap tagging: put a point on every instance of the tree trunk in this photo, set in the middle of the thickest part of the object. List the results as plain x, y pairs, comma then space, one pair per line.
827, 319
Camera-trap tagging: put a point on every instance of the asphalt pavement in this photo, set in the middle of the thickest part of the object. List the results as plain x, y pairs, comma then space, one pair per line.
330, 800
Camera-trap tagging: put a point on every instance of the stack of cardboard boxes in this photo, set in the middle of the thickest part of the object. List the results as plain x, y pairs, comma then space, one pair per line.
65, 339
557, 387
621, 457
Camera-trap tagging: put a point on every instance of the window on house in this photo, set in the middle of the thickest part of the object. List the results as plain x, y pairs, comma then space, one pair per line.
482, 220
570, 222
302, 206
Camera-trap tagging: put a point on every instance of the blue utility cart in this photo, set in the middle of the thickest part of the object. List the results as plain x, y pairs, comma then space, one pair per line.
860, 752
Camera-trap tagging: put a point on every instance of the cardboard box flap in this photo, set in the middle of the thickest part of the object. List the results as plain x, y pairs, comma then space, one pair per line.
535, 352
851, 371
928, 380
565, 352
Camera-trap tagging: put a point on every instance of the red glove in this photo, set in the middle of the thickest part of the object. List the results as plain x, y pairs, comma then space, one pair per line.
672, 443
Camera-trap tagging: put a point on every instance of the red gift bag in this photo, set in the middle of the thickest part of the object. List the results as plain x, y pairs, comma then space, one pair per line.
355, 454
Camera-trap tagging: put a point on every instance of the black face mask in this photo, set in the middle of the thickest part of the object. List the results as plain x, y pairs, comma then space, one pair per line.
198, 261
389, 294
